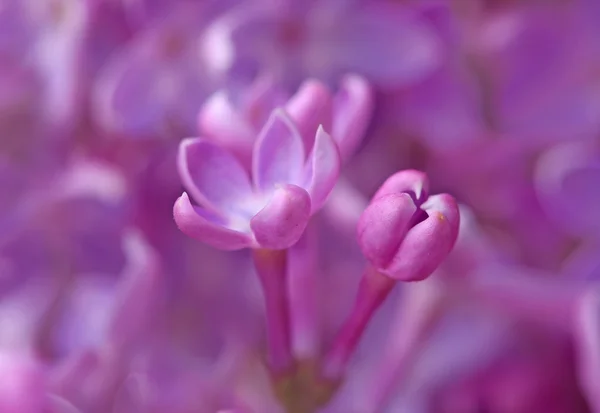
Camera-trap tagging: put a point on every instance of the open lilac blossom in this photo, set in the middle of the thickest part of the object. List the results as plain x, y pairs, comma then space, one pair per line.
273, 210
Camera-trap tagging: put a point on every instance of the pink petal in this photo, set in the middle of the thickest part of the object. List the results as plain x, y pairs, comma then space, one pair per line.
383, 226
213, 176
278, 153
281, 223
428, 243
201, 225
410, 181
322, 169
223, 124
352, 111
310, 107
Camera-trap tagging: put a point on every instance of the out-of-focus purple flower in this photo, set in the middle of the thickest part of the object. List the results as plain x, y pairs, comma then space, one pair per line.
272, 210
566, 181
155, 85
89, 374
387, 43
70, 226
347, 114
404, 232
47, 38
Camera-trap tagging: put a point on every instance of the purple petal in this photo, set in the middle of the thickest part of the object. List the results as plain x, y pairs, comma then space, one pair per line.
452, 98
383, 226
278, 153
213, 176
137, 294
352, 111
410, 181
386, 45
223, 124
203, 226
566, 181
310, 107
323, 169
428, 243
283, 220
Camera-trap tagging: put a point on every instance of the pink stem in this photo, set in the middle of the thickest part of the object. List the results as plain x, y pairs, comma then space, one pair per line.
302, 291
372, 291
271, 269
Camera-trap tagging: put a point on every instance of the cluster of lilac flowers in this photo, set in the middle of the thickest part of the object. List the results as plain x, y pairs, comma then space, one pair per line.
299, 206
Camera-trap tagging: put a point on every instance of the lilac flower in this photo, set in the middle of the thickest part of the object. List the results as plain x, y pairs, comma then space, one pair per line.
565, 182
155, 84
405, 233
273, 210
291, 41
89, 374
347, 114
401, 241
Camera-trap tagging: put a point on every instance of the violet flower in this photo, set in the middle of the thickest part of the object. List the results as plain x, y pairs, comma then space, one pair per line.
235, 125
566, 180
268, 215
269, 212
387, 43
154, 85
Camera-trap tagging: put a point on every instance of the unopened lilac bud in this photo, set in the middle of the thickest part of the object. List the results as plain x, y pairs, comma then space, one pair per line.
428, 243
405, 234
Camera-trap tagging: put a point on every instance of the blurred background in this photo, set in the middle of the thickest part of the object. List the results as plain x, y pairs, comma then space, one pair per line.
106, 307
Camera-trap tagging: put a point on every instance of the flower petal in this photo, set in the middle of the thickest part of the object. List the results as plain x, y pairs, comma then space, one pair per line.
410, 181
322, 169
352, 110
201, 225
386, 33
213, 176
310, 107
223, 124
281, 223
428, 243
278, 153
383, 225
